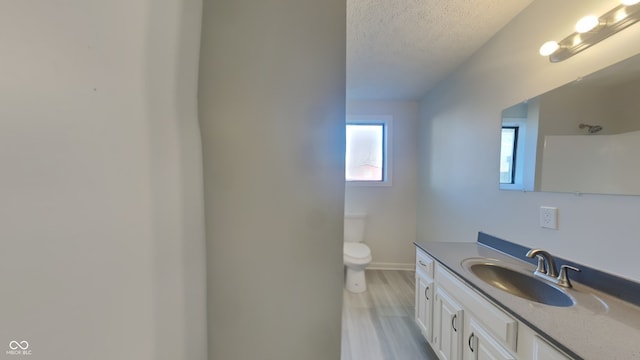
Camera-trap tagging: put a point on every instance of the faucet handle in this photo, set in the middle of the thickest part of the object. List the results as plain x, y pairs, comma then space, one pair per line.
563, 279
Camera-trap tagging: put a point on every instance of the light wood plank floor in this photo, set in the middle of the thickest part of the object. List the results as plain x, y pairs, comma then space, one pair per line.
378, 324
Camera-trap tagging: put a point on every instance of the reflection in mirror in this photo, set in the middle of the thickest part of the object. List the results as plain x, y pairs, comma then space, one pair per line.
583, 137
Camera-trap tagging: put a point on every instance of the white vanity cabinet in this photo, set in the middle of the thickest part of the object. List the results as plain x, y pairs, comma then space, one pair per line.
480, 345
542, 350
486, 332
424, 295
424, 305
459, 323
448, 326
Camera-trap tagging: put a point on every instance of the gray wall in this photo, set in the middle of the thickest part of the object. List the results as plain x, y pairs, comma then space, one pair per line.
272, 89
101, 222
459, 146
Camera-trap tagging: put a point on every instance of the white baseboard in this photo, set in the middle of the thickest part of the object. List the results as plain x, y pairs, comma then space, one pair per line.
391, 266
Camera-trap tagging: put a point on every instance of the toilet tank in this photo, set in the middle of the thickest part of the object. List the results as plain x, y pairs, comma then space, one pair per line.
354, 227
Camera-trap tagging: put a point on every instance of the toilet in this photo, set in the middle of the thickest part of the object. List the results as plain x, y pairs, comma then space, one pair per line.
357, 255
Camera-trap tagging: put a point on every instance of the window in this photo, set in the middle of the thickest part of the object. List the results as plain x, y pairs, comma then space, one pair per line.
508, 148
366, 158
365, 155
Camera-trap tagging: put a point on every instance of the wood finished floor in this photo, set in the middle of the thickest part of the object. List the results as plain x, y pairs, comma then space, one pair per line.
378, 324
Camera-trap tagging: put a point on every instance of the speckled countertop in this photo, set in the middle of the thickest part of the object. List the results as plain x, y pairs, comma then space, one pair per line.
599, 326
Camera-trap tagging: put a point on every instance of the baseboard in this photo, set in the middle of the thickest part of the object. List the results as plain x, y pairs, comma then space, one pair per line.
391, 266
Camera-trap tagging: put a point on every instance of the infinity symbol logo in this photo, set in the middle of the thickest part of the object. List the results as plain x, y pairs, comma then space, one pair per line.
23, 345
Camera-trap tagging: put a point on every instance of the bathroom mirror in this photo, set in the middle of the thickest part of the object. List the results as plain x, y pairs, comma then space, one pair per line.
583, 137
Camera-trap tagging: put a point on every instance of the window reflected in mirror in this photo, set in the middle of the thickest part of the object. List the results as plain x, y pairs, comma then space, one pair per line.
508, 154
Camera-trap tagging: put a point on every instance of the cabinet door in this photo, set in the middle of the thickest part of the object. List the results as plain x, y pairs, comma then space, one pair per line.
482, 346
448, 337
544, 351
424, 305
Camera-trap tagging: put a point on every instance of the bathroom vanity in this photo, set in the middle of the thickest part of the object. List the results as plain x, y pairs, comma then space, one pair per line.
464, 314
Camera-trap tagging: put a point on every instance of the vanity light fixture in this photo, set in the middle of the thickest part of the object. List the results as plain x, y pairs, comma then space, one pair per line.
592, 29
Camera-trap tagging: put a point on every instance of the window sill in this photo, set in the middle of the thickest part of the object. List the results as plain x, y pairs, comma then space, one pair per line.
517, 187
367, 183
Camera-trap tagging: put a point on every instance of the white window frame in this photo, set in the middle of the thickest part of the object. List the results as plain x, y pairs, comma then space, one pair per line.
387, 151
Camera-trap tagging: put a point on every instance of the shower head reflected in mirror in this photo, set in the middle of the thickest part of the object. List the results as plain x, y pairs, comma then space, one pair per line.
592, 129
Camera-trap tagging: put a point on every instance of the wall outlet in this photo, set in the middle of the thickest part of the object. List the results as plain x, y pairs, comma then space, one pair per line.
549, 217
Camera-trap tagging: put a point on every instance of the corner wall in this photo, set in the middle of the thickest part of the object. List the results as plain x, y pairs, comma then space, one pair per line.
391, 210
271, 100
459, 146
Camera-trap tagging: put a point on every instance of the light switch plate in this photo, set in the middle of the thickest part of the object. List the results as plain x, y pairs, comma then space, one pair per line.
549, 217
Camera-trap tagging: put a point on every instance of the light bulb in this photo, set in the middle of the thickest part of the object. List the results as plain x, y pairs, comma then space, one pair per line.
629, 2
587, 23
549, 48
621, 14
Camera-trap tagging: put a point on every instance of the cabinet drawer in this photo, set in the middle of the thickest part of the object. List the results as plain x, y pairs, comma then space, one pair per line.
501, 326
424, 263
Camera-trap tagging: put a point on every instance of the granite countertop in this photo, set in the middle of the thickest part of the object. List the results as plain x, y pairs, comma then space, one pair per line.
599, 326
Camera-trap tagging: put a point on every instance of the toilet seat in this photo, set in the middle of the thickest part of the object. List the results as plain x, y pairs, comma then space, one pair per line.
356, 253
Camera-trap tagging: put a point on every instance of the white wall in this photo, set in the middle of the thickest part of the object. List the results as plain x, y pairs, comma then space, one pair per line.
391, 210
101, 223
272, 88
459, 146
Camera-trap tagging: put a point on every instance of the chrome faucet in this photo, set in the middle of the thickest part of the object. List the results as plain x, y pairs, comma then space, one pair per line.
547, 268
543, 256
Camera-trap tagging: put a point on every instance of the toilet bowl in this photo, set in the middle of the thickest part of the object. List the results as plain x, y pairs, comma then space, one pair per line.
357, 255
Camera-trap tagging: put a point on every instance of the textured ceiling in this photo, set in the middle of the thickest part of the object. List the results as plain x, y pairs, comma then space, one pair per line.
399, 49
